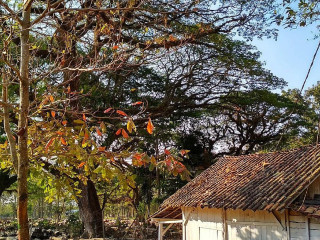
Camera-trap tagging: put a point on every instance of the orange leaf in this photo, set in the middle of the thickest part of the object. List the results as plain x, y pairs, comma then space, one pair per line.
51, 98
53, 114
81, 165
137, 156
86, 135
64, 122
184, 152
119, 131
69, 89
121, 113
63, 141
84, 117
59, 133
172, 38
137, 103
125, 134
115, 47
98, 131
167, 152
150, 127
107, 110
49, 144
102, 149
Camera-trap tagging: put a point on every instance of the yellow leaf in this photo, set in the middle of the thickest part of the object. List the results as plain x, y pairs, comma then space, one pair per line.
78, 121
153, 160
103, 127
131, 126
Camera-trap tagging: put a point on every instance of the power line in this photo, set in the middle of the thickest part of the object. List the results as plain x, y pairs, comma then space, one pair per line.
310, 67
300, 92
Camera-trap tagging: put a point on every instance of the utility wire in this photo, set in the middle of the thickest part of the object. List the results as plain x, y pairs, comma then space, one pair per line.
300, 92
311, 65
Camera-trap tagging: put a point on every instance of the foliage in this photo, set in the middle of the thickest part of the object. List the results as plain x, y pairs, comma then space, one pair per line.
297, 13
6, 180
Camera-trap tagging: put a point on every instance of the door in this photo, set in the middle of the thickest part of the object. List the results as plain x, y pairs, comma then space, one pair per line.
210, 234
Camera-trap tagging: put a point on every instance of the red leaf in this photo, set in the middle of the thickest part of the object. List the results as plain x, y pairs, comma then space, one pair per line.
121, 113
63, 141
167, 152
119, 131
125, 134
168, 162
49, 144
98, 131
102, 149
137, 103
107, 110
81, 165
59, 133
86, 135
115, 47
150, 127
180, 168
137, 156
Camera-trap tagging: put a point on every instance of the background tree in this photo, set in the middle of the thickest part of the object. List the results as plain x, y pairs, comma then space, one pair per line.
59, 43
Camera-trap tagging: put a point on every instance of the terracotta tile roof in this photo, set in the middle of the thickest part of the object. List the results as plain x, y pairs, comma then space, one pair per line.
306, 209
268, 181
168, 213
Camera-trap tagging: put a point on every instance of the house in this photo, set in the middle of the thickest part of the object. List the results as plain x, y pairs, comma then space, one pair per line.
258, 196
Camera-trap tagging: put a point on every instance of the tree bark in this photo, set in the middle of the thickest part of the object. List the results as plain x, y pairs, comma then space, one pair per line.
90, 210
23, 159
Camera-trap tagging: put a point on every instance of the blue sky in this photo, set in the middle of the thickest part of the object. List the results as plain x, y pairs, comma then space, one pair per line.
290, 55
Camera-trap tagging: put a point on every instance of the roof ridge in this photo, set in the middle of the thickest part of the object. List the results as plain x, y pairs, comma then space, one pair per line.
274, 152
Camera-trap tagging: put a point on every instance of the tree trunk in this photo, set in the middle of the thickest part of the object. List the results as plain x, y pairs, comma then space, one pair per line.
23, 159
90, 210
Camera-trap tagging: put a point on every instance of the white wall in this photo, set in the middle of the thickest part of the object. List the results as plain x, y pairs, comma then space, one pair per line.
207, 224
252, 225
302, 228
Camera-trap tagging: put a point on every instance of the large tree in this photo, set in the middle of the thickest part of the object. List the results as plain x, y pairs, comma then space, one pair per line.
49, 47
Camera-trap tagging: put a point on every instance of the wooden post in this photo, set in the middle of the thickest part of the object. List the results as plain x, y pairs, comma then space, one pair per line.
184, 227
225, 225
160, 232
307, 229
287, 223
